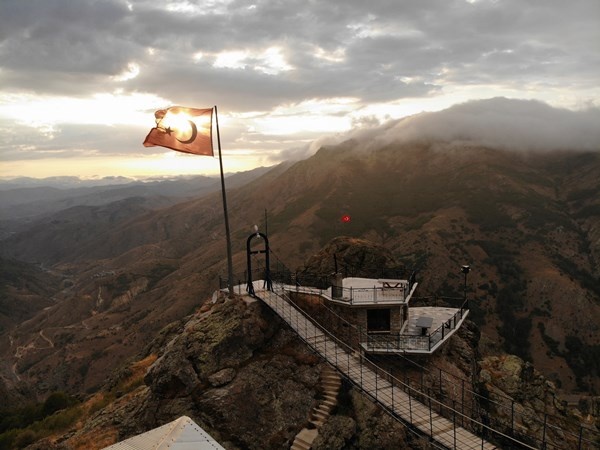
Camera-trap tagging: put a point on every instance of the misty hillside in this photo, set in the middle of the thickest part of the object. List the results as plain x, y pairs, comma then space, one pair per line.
25, 200
527, 223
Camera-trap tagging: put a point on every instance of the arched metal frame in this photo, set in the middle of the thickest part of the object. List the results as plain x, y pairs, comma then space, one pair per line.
249, 252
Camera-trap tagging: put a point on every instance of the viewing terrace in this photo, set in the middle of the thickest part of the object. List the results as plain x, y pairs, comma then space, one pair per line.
365, 291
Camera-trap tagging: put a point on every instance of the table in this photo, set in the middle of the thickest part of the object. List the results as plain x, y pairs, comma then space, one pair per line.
424, 323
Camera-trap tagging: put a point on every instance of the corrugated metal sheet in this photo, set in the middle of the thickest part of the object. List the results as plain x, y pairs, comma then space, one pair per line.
181, 434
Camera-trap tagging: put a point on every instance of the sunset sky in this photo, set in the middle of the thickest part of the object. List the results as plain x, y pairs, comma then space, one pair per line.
80, 80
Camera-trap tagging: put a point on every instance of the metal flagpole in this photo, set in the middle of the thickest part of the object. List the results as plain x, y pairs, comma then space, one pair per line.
227, 233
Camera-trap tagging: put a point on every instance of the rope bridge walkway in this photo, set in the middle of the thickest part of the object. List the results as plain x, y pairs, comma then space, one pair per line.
401, 401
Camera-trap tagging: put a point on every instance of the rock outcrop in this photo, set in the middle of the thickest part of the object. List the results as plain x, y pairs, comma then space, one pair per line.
520, 398
355, 257
233, 369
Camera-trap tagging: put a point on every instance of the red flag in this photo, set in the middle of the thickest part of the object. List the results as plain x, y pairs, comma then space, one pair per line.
187, 130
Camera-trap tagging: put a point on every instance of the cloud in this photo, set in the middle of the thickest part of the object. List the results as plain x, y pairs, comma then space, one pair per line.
496, 123
60, 47
265, 58
22, 142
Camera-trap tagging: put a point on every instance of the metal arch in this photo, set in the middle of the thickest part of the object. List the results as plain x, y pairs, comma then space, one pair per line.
268, 283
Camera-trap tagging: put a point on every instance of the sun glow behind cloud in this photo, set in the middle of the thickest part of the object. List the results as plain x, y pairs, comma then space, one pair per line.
132, 71
175, 163
270, 61
99, 109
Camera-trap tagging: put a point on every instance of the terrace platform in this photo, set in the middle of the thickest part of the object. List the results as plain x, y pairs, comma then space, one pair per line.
444, 323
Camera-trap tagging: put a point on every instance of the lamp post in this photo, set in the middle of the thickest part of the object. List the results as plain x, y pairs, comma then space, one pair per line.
465, 270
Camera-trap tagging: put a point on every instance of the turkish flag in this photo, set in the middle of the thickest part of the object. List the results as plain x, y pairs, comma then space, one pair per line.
187, 130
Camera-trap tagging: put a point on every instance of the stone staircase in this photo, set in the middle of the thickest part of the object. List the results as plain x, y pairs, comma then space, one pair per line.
330, 385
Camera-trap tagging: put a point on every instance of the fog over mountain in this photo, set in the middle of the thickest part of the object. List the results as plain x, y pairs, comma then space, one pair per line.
502, 123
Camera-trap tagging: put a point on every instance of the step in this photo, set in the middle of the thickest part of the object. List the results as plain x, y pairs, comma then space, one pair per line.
331, 390
301, 442
300, 446
329, 374
330, 403
326, 409
306, 436
317, 422
319, 415
331, 379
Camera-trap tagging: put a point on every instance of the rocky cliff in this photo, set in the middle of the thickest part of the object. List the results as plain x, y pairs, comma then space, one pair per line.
241, 375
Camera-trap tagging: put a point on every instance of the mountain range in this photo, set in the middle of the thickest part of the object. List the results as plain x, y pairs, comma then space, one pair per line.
95, 282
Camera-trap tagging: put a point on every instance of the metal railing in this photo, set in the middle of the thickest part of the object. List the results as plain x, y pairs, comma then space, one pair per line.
400, 342
512, 425
453, 392
381, 386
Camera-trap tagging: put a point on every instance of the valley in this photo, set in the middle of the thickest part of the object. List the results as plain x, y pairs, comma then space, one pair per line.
123, 273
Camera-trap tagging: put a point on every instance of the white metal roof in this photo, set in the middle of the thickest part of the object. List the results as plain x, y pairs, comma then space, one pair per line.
181, 434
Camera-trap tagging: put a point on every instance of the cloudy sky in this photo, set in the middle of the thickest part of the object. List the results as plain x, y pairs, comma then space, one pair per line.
80, 80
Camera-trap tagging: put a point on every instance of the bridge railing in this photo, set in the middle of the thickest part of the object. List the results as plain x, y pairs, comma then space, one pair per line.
508, 417
340, 355
504, 414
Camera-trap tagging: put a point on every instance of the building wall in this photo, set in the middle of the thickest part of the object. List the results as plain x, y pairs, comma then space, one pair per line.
358, 316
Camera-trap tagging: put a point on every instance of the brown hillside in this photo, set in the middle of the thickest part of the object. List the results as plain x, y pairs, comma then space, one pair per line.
527, 224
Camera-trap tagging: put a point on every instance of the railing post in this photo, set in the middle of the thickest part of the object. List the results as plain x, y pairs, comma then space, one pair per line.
441, 392
336, 349
462, 404
512, 418
544, 432
473, 410
409, 401
348, 359
430, 417
392, 380
361, 372
454, 420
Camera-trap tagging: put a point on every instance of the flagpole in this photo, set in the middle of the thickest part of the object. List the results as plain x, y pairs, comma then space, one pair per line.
227, 233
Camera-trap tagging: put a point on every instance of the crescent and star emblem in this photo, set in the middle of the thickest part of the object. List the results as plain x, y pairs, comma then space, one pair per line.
192, 138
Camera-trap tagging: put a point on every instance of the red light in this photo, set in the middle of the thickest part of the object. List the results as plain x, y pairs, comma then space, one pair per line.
346, 218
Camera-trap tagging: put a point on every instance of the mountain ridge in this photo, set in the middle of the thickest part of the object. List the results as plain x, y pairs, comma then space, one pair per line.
515, 218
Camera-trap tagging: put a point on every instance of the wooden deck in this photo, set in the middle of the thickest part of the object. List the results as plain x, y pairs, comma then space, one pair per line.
395, 397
